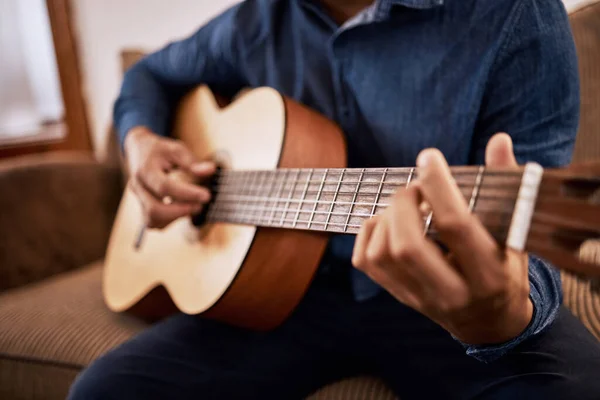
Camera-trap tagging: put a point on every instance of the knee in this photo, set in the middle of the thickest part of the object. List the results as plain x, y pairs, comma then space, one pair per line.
547, 386
93, 383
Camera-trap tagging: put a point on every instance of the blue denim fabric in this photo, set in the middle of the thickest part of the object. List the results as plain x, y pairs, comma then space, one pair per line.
401, 76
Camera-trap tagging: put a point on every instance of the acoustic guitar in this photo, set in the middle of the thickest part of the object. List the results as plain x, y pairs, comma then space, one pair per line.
282, 189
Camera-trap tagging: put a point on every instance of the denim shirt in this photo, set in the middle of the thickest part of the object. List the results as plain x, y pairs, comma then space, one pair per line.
401, 76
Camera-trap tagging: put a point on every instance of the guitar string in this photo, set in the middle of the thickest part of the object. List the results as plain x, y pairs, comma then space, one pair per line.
535, 228
286, 182
470, 170
346, 192
349, 182
321, 212
232, 183
362, 181
223, 210
236, 188
537, 218
249, 199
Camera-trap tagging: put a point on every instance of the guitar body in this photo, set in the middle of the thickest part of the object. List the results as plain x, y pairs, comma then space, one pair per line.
242, 275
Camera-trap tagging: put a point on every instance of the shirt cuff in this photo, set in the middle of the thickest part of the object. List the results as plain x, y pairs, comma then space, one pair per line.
544, 313
129, 120
489, 353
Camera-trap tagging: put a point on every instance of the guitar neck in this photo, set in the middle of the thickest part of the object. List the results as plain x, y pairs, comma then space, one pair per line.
340, 200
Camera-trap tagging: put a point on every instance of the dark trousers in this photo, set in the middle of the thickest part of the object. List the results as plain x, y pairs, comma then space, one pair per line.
330, 336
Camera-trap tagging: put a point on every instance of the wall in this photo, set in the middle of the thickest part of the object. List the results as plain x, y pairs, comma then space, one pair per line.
40, 59
104, 28
29, 90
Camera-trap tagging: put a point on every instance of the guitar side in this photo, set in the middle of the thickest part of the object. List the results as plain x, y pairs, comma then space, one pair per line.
243, 275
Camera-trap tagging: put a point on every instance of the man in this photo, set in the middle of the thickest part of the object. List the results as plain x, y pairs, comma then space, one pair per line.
398, 76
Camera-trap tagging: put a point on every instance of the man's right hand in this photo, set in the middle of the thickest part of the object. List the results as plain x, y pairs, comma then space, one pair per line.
150, 159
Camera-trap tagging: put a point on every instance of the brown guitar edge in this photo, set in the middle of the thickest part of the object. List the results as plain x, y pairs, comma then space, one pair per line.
154, 306
281, 263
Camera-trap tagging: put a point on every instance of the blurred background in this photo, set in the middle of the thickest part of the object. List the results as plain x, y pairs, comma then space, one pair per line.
61, 180
61, 65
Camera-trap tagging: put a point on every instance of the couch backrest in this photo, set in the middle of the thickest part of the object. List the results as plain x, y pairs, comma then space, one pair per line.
585, 23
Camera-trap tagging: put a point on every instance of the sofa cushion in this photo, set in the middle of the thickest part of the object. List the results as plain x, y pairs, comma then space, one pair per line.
50, 330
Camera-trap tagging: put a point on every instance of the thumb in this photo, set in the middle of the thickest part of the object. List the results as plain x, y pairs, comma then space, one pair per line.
203, 169
499, 152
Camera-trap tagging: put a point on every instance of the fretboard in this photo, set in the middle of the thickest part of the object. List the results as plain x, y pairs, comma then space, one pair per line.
340, 200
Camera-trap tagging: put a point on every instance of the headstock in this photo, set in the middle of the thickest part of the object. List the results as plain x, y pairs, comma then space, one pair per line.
565, 228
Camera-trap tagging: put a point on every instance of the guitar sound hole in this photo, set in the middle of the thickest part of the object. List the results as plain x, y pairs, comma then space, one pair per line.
199, 219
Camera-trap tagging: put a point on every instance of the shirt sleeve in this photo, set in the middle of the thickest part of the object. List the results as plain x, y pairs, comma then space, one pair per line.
154, 85
533, 95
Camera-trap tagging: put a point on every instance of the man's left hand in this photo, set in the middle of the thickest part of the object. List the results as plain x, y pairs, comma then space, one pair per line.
479, 291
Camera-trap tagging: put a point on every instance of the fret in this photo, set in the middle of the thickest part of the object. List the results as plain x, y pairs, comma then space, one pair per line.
258, 190
428, 223
289, 198
271, 185
410, 176
216, 205
255, 197
429, 216
242, 192
476, 188
335, 195
362, 173
248, 218
278, 196
378, 195
312, 215
308, 178
246, 191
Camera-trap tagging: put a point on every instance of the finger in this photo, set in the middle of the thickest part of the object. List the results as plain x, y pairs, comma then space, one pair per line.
181, 157
439, 286
203, 169
463, 233
499, 151
371, 257
392, 253
437, 185
359, 259
156, 213
161, 185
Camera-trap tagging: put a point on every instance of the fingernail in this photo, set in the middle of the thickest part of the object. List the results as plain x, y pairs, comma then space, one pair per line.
204, 196
424, 158
202, 166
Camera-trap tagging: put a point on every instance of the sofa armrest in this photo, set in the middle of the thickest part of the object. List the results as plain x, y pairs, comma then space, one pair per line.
583, 302
56, 212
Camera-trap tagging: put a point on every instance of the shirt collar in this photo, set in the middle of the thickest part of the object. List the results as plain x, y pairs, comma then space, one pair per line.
382, 8
420, 4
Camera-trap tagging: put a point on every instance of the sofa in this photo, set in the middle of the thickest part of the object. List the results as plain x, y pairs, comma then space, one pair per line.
56, 212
